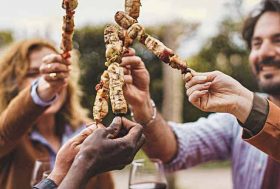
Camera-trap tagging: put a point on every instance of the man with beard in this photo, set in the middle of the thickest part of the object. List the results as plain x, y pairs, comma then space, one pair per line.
217, 137
262, 127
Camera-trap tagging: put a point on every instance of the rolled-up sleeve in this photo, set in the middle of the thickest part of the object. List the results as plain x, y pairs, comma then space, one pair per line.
268, 138
257, 117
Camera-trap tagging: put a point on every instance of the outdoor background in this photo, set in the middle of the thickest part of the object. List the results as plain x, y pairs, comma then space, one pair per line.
206, 33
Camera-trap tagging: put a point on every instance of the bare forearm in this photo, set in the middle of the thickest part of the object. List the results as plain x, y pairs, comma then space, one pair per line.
160, 140
77, 176
244, 103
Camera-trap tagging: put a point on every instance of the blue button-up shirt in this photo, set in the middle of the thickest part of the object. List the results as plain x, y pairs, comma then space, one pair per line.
69, 133
218, 137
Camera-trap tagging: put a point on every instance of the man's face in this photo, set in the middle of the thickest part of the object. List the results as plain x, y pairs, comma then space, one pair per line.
265, 53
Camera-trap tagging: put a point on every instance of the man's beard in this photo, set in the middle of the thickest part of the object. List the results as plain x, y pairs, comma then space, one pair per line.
271, 88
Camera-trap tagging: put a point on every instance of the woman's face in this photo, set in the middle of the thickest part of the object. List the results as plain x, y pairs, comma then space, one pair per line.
33, 73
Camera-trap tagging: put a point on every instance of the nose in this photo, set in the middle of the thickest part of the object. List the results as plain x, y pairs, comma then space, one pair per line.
267, 50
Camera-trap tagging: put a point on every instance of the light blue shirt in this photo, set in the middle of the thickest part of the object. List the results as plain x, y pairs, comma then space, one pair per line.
35, 97
218, 137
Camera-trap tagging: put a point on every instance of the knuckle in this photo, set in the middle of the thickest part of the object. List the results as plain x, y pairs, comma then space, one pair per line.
190, 99
54, 68
42, 69
217, 72
140, 128
138, 59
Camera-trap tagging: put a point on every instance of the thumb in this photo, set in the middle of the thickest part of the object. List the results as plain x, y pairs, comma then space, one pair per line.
115, 127
127, 124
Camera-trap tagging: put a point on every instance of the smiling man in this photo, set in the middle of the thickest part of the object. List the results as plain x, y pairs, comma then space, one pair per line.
265, 53
221, 93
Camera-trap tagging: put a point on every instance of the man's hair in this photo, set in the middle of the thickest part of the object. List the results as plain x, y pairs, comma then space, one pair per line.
251, 21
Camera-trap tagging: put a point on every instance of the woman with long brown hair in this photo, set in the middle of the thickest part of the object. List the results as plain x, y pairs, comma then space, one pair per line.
39, 109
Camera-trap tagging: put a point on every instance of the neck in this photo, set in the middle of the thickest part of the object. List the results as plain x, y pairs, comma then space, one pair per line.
275, 99
46, 125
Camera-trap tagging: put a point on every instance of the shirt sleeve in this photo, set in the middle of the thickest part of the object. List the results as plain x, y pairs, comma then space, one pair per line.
257, 117
267, 140
35, 97
45, 184
201, 141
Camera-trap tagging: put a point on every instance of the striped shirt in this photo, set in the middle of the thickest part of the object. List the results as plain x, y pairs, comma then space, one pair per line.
218, 137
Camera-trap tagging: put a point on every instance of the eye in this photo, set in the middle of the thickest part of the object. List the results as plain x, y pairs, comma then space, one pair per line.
256, 44
277, 40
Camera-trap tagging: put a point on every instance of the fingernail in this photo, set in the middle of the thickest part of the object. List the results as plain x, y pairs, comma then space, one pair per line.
117, 120
201, 78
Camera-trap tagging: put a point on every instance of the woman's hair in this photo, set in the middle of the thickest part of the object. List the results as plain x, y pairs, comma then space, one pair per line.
252, 19
14, 65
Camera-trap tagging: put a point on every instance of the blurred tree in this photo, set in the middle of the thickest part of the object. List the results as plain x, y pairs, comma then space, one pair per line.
173, 95
173, 84
6, 37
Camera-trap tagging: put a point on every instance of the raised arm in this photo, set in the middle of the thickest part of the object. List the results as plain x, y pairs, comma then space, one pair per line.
137, 94
31, 102
217, 92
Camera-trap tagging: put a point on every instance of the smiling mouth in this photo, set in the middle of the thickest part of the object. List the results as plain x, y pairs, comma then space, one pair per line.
268, 64
267, 72
268, 69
